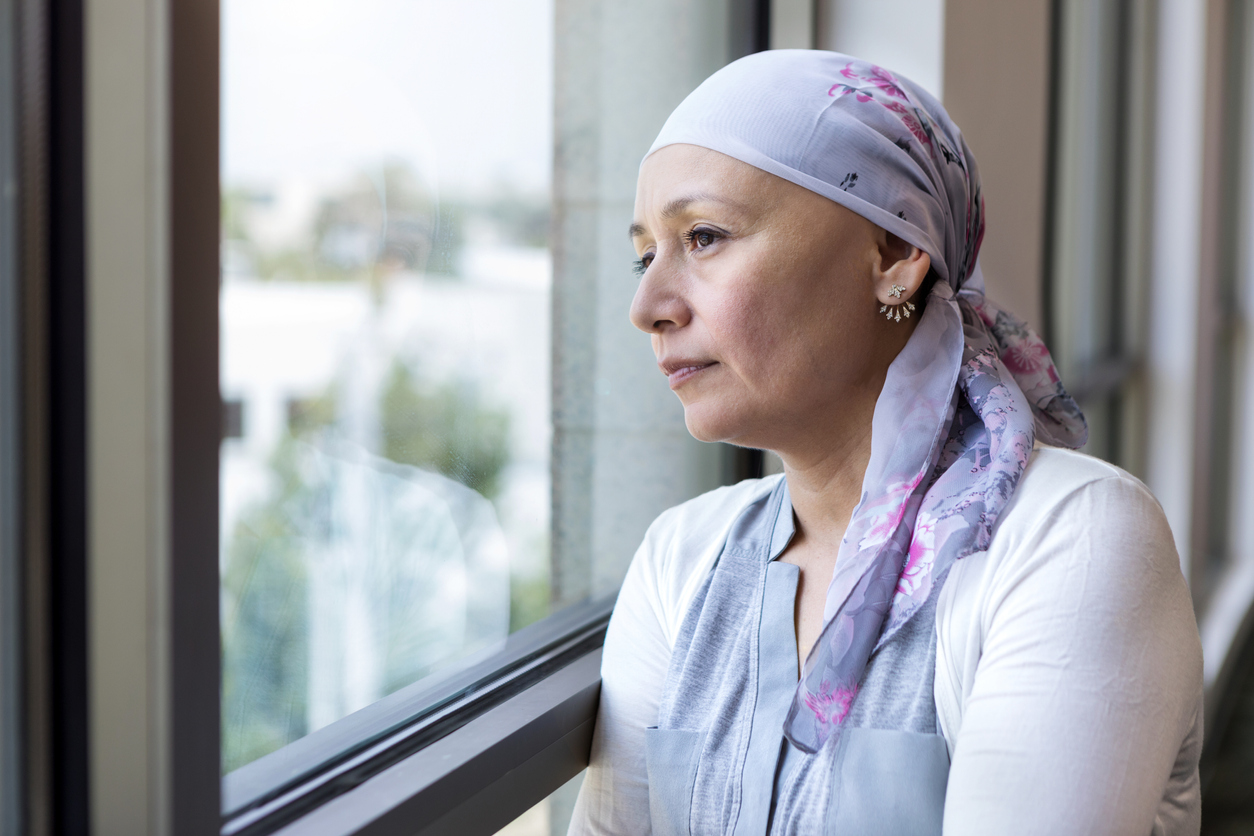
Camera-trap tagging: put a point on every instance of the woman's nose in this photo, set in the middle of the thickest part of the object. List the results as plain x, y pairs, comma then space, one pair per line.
659, 305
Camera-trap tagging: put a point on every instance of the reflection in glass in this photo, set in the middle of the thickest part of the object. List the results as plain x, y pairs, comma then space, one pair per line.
385, 349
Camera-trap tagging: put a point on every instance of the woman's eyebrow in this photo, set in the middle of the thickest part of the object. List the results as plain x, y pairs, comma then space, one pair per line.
678, 205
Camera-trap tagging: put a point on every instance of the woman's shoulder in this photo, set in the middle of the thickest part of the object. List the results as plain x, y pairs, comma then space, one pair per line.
1082, 565
1065, 491
1076, 525
683, 543
711, 513
1057, 470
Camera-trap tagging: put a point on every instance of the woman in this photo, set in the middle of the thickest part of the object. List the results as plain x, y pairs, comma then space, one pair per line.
939, 617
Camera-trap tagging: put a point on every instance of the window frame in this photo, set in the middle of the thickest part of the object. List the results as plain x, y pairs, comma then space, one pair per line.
447, 709
45, 780
11, 400
1221, 572
1111, 379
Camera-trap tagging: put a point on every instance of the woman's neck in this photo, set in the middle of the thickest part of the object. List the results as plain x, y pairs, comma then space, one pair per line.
826, 487
826, 466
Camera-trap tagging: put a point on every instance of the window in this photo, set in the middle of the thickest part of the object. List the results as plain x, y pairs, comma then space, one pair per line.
364, 214
1097, 255
443, 440
1226, 315
1225, 570
385, 335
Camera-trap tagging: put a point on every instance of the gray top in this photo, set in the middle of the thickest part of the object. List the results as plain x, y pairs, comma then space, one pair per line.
718, 760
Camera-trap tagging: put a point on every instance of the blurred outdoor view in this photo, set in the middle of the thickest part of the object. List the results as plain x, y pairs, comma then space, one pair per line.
385, 349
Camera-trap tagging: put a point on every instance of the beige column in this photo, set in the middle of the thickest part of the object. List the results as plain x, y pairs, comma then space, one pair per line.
127, 349
996, 87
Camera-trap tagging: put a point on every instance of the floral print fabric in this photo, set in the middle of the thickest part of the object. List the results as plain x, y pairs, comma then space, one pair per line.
964, 401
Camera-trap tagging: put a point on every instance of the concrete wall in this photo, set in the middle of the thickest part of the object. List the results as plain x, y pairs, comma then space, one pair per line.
621, 452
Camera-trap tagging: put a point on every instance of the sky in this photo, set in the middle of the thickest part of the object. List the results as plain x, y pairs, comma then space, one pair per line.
459, 89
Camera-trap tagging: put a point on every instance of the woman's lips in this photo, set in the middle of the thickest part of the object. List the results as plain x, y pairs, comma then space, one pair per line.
679, 372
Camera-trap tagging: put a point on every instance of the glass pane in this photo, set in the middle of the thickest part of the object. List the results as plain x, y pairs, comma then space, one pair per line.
1229, 455
385, 312
1086, 323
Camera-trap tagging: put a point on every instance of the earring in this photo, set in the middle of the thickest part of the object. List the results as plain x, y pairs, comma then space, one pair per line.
894, 312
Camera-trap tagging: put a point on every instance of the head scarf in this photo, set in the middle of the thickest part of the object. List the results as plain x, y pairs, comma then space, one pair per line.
964, 401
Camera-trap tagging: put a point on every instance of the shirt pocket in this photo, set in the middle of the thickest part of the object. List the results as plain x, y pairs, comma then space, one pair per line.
890, 782
671, 757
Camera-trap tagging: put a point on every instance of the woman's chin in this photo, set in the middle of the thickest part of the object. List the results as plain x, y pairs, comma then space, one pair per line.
705, 424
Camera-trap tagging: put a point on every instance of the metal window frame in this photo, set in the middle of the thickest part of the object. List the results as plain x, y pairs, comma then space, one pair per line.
195, 412
134, 416
44, 516
1223, 583
1114, 377
449, 712
11, 400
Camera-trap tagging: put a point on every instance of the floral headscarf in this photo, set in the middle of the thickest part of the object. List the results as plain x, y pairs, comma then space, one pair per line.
964, 401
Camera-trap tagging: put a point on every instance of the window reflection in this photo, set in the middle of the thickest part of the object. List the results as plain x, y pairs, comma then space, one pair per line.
385, 349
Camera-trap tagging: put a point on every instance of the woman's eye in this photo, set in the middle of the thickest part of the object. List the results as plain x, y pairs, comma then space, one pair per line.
641, 264
701, 238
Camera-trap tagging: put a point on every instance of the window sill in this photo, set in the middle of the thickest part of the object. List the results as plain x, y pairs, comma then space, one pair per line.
482, 776
509, 730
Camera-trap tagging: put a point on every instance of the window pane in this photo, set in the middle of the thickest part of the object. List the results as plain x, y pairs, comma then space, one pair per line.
1100, 214
1087, 202
1229, 453
385, 312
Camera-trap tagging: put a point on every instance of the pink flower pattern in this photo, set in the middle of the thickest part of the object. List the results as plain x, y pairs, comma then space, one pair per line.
831, 705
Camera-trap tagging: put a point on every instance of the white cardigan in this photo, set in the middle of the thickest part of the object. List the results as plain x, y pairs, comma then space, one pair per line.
1068, 667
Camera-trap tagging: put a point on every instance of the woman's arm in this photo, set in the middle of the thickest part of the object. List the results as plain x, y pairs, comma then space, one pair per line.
614, 798
1089, 679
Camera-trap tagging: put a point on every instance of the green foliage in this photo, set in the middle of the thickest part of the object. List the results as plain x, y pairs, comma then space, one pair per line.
265, 658
444, 428
518, 220
265, 638
265, 649
382, 220
528, 600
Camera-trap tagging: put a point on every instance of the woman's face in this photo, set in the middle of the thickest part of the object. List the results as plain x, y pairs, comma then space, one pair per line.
762, 298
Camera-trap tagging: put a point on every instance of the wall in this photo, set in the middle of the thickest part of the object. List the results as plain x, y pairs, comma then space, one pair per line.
902, 35
621, 451
996, 87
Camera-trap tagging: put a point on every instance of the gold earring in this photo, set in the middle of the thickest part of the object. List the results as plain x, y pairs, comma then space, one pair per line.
894, 312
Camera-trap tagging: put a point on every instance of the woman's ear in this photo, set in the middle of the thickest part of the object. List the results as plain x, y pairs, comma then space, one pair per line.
901, 271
